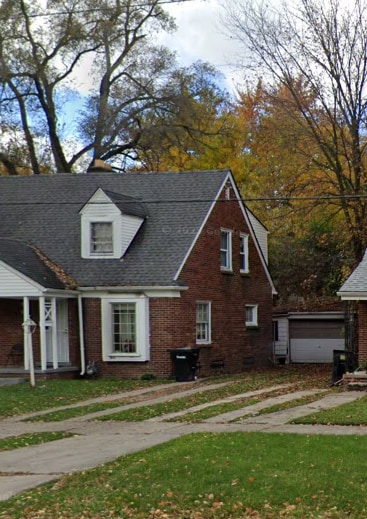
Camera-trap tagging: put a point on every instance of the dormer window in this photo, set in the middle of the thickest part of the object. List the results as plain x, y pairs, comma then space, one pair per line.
109, 224
101, 238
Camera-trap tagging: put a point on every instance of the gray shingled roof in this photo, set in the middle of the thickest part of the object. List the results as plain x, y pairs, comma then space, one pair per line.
357, 281
44, 211
24, 259
127, 204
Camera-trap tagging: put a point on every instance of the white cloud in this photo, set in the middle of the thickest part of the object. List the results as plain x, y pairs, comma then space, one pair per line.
200, 36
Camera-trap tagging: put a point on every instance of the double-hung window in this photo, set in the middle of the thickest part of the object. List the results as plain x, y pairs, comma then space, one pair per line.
101, 238
244, 262
251, 315
203, 322
124, 328
226, 250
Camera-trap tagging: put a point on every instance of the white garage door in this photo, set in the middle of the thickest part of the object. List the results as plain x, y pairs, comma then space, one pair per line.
315, 340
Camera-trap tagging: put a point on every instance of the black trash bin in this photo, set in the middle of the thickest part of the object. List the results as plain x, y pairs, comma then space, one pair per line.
342, 362
186, 362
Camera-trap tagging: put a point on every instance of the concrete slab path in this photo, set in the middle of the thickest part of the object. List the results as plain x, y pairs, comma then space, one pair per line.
96, 442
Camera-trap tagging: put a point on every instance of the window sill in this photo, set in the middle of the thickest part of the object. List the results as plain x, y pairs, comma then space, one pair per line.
123, 355
252, 326
226, 271
115, 357
245, 273
204, 344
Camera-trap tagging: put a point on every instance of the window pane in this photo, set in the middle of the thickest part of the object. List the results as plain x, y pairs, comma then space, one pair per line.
224, 241
101, 237
124, 328
249, 314
224, 249
203, 322
243, 253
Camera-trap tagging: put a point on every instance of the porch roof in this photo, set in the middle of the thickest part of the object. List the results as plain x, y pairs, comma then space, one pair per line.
24, 259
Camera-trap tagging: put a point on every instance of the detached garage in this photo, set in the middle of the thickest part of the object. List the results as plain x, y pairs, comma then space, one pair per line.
312, 337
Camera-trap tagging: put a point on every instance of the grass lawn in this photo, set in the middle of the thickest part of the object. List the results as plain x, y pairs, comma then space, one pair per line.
214, 476
20, 398
25, 440
353, 413
214, 410
73, 412
236, 385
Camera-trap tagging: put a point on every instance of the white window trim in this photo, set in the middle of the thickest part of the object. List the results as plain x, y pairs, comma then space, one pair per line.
87, 222
255, 320
142, 330
208, 340
244, 253
229, 233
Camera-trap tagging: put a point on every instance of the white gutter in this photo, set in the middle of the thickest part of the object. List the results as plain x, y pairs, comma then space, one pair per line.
352, 296
81, 334
131, 288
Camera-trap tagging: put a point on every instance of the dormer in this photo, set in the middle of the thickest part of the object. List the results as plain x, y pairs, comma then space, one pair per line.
109, 223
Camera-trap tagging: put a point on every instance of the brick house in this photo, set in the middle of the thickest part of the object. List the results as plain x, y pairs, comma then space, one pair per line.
121, 268
354, 292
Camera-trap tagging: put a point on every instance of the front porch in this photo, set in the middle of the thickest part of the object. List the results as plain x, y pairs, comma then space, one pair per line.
39, 335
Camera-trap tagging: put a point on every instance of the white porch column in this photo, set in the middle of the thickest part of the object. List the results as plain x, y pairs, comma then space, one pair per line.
55, 360
43, 346
26, 336
29, 327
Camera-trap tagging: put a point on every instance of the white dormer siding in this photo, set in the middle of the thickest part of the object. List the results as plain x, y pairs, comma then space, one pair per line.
101, 209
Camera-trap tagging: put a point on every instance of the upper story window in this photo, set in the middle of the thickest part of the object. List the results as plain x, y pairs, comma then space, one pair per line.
226, 250
101, 238
244, 260
107, 227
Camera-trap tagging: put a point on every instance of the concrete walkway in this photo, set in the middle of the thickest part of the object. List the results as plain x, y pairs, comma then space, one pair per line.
97, 442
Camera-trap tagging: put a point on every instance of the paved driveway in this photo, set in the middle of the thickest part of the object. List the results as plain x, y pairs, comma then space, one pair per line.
96, 442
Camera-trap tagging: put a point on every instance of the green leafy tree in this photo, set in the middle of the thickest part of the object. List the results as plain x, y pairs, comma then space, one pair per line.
135, 85
323, 46
201, 135
304, 229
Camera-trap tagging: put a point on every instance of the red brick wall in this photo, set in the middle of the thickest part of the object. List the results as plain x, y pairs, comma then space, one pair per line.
232, 342
362, 331
173, 320
11, 331
163, 329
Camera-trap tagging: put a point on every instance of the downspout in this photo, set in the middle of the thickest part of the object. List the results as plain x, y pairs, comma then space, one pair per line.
81, 334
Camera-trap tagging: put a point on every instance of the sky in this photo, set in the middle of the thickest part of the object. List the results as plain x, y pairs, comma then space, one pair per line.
200, 36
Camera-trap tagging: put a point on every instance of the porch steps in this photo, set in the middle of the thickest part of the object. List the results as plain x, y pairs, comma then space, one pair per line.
356, 380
